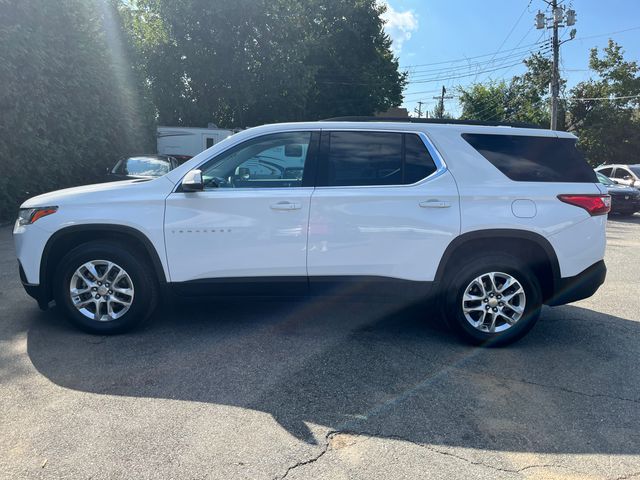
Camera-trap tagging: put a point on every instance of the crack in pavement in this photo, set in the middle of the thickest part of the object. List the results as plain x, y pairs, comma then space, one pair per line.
433, 449
302, 463
446, 367
474, 462
627, 476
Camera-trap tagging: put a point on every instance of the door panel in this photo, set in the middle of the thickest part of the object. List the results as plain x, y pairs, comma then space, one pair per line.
383, 231
251, 220
237, 233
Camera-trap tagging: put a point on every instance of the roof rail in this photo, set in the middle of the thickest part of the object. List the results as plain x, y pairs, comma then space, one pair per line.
448, 121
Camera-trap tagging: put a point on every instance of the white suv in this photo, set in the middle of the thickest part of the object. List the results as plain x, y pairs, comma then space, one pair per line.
492, 221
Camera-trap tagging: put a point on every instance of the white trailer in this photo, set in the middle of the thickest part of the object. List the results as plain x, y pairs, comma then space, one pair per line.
186, 142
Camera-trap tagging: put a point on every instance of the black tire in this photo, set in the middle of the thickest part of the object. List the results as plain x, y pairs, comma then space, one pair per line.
133, 262
457, 282
626, 213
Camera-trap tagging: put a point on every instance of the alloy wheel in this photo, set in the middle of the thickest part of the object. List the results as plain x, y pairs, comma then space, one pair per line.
101, 290
493, 302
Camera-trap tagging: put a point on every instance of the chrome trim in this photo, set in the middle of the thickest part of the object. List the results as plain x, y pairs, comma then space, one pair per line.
441, 166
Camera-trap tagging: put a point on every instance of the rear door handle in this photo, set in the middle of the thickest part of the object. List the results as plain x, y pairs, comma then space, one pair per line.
286, 206
435, 204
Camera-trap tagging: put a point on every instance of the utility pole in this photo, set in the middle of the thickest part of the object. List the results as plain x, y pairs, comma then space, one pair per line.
558, 15
555, 75
418, 109
439, 111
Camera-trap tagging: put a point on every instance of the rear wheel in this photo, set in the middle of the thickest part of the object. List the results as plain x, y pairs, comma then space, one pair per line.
493, 301
105, 288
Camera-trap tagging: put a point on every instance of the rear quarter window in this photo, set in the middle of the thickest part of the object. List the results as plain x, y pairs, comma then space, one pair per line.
533, 159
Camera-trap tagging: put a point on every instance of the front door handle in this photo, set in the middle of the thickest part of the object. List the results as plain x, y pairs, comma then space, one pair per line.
286, 206
435, 204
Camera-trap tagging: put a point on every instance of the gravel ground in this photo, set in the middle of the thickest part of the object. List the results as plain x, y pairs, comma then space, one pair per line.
323, 389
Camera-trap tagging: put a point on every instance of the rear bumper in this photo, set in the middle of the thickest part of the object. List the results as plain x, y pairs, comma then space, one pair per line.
582, 285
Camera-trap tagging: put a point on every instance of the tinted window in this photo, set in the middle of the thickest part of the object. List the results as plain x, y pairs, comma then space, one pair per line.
636, 170
209, 142
418, 163
276, 160
376, 158
533, 159
365, 158
606, 171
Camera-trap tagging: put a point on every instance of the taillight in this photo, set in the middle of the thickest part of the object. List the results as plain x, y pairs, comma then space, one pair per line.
595, 204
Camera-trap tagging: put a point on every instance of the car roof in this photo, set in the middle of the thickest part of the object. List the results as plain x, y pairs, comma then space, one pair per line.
454, 127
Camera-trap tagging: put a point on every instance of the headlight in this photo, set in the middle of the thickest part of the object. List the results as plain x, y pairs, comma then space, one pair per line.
27, 216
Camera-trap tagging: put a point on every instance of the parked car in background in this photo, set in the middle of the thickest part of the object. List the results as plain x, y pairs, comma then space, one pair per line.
141, 167
186, 142
625, 200
622, 174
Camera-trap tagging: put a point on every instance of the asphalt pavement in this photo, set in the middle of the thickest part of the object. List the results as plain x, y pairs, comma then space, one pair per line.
323, 389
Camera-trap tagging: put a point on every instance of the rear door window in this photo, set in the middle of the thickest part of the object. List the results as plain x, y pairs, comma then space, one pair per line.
621, 173
374, 158
533, 159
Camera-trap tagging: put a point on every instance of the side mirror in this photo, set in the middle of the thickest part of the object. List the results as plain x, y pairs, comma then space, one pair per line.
192, 181
243, 172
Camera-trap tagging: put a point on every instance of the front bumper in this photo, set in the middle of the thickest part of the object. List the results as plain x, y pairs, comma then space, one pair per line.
625, 203
583, 285
34, 291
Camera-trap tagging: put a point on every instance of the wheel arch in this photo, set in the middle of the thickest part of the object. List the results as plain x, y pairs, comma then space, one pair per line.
540, 253
73, 236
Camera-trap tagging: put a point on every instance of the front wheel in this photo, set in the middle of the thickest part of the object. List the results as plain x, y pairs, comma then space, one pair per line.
105, 288
493, 301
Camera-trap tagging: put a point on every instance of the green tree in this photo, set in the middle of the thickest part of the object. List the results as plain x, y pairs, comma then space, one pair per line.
67, 102
356, 72
485, 102
524, 98
247, 62
609, 130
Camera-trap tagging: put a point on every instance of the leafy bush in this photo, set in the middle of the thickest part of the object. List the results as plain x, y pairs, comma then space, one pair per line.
68, 104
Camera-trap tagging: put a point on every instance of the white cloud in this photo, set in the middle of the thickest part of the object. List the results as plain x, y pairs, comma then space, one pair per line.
399, 25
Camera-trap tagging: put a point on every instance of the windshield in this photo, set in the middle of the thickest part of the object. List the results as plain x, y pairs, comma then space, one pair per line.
635, 169
604, 179
142, 167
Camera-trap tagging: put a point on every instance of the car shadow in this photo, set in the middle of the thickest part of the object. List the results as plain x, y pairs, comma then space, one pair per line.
572, 385
635, 218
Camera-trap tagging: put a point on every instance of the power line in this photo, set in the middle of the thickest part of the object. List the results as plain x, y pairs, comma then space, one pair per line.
607, 34
523, 47
430, 80
510, 31
542, 51
454, 77
422, 92
625, 97
477, 64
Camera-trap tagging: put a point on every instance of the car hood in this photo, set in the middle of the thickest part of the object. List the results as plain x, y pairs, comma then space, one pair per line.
102, 192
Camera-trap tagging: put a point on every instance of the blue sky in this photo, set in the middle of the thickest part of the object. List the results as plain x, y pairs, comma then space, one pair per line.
435, 32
